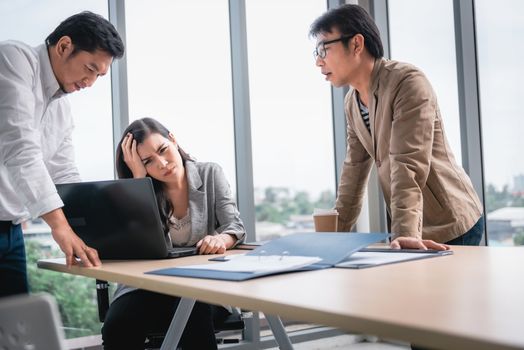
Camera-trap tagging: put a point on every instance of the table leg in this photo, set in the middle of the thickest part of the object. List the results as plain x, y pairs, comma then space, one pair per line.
178, 323
283, 341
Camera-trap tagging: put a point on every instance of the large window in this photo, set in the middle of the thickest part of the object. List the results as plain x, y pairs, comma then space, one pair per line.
500, 78
293, 160
31, 22
422, 33
179, 72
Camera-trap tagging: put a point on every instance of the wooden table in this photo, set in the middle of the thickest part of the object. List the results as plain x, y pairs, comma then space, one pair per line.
473, 299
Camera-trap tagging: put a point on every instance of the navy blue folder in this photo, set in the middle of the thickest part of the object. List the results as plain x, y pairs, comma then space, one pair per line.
330, 247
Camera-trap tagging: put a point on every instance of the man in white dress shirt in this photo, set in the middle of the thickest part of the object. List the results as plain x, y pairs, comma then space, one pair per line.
36, 149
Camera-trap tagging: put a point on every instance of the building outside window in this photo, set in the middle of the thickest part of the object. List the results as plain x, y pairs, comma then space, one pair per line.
500, 74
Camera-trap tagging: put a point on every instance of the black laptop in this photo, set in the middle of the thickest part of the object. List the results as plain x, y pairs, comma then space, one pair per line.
119, 218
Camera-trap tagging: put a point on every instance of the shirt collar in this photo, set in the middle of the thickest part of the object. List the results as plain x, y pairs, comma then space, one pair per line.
51, 87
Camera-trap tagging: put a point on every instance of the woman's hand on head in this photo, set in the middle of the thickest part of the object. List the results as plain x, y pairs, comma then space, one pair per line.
131, 157
215, 244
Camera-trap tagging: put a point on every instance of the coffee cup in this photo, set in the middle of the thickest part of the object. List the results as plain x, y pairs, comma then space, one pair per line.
325, 220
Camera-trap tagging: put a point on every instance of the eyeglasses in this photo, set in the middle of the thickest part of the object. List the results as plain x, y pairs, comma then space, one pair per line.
320, 50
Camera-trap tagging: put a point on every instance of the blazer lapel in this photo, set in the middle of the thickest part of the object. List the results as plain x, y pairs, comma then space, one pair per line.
197, 205
373, 103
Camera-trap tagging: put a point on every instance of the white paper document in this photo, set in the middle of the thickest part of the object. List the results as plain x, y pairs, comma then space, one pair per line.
369, 259
255, 263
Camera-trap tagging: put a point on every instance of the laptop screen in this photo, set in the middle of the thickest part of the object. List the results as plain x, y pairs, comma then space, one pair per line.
119, 218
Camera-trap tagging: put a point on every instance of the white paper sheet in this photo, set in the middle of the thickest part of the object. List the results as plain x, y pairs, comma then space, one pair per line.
253, 263
368, 259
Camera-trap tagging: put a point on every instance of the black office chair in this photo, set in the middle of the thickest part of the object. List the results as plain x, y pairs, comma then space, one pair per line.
234, 322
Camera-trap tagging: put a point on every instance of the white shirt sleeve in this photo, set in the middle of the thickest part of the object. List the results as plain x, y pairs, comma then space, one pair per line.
20, 148
61, 164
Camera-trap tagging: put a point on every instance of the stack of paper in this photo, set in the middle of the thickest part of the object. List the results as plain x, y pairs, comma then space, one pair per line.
251, 263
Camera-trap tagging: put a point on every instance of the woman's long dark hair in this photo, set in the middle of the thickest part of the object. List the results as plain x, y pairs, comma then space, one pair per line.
141, 129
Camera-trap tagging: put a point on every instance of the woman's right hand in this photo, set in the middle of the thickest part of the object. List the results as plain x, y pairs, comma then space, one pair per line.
131, 157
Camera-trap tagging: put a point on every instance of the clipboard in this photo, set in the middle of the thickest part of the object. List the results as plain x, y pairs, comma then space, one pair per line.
325, 250
371, 257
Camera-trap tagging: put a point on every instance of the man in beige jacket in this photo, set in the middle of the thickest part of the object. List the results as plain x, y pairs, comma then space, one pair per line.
393, 120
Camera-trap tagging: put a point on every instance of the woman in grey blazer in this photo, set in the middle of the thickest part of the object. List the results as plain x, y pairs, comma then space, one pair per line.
197, 209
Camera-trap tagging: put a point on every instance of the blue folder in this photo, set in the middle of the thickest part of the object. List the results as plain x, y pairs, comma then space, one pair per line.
330, 247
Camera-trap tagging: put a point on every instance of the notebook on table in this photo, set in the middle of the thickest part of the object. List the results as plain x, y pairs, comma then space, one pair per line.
119, 218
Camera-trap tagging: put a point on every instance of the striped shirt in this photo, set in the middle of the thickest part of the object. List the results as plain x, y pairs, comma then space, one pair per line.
364, 112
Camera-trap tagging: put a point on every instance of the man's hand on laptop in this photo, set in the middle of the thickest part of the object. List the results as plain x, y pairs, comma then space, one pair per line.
417, 243
69, 242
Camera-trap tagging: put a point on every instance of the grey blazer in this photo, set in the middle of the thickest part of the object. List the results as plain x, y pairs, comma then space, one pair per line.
211, 205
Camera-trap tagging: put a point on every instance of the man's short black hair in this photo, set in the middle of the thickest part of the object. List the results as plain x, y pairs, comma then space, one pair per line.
350, 20
89, 32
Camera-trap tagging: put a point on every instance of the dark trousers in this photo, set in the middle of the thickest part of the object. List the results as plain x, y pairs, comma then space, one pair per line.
472, 237
13, 270
135, 315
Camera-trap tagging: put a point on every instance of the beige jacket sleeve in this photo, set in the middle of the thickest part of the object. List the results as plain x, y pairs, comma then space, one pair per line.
414, 113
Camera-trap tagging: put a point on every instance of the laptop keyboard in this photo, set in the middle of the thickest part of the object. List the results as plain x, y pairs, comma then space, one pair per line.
177, 252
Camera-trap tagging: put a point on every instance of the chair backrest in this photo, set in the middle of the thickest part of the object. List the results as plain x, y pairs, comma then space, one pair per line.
30, 322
